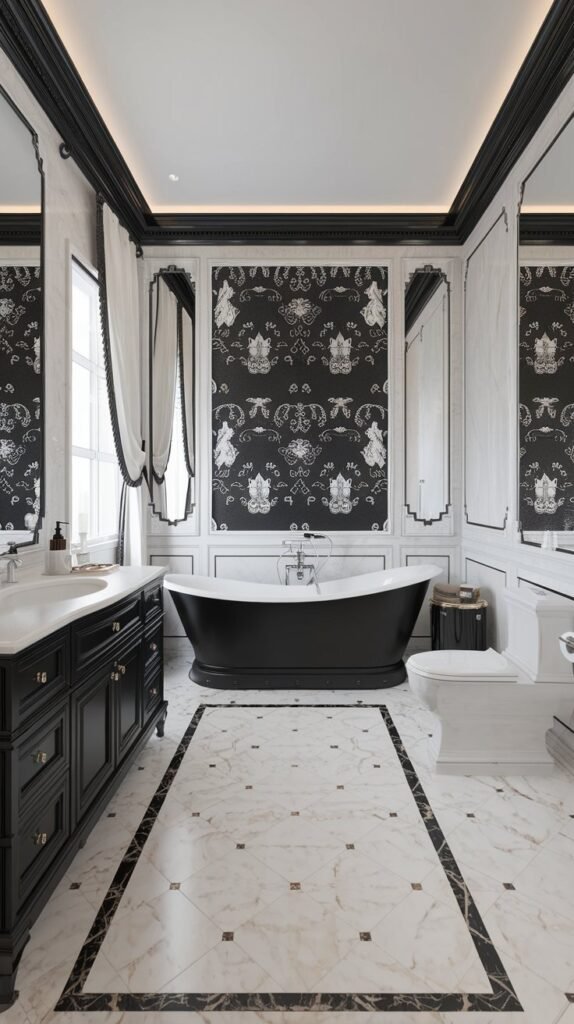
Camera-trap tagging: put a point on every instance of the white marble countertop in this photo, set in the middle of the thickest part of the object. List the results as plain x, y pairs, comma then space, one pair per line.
38, 605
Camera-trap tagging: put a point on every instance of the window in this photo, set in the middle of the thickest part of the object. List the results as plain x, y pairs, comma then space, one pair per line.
96, 479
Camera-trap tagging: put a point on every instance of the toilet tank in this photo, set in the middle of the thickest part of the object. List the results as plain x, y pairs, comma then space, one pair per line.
535, 621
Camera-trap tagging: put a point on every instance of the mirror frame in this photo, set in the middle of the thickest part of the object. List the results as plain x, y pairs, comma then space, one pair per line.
428, 268
523, 183
40, 164
189, 463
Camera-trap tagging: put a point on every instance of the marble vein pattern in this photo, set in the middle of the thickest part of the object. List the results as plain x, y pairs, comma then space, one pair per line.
360, 876
272, 883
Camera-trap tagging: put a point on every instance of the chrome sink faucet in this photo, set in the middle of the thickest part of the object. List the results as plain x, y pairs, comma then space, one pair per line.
12, 563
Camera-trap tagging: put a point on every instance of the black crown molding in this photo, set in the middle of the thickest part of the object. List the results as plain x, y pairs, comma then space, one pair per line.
34, 47
20, 228
547, 228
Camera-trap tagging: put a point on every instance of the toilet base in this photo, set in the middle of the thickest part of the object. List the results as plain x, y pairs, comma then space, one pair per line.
496, 728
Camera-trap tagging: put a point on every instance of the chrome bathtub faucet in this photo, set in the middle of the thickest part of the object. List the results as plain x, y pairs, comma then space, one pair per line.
12, 563
304, 567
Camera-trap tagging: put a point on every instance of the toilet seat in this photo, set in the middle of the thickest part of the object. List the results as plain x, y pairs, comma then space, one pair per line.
462, 666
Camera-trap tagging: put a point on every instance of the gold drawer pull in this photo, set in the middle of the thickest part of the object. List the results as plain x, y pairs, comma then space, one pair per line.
114, 676
41, 677
116, 626
119, 667
40, 757
40, 838
153, 646
153, 692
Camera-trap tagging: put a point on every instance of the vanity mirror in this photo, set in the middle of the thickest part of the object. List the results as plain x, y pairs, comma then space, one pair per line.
546, 348
427, 356
171, 467
21, 330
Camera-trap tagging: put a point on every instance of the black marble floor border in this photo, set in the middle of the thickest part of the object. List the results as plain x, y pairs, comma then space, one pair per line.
502, 998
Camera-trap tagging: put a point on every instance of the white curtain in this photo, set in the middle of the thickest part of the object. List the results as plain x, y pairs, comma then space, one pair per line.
188, 387
123, 319
121, 329
164, 376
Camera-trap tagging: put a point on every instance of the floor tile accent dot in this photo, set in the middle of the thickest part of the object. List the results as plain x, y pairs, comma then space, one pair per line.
365, 936
393, 814
350, 846
227, 937
416, 886
294, 814
240, 846
508, 885
175, 885
75, 885
295, 886
470, 815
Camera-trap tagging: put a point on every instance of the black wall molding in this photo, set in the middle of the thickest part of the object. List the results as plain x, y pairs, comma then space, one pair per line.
547, 229
38, 54
20, 228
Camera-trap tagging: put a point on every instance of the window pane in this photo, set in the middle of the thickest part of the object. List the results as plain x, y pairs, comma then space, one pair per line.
80, 494
81, 407
108, 499
106, 437
81, 316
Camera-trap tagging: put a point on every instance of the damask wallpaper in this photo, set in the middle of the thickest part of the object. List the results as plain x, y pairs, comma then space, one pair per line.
20, 391
547, 397
300, 397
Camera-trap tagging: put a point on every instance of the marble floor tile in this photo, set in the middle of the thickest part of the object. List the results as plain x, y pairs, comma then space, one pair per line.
430, 938
262, 875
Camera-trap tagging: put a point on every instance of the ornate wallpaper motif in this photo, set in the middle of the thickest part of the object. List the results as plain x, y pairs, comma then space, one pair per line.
300, 407
20, 390
547, 397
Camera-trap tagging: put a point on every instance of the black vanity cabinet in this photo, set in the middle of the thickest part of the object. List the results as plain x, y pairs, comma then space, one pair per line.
75, 709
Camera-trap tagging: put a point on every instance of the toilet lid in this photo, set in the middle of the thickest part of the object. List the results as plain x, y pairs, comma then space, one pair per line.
462, 665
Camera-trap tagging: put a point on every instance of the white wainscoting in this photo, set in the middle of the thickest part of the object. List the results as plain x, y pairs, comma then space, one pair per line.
492, 582
422, 628
173, 563
489, 420
262, 568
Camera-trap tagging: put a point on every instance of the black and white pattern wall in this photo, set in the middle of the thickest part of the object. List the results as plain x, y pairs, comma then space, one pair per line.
300, 397
547, 397
20, 401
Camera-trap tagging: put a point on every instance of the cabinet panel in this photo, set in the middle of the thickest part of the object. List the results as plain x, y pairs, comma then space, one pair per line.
128, 696
94, 640
153, 693
41, 837
94, 754
153, 602
42, 753
38, 676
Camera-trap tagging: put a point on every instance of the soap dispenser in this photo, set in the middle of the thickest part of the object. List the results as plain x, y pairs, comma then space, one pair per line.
58, 558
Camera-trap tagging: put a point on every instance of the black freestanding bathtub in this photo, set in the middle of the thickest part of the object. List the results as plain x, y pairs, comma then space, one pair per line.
348, 633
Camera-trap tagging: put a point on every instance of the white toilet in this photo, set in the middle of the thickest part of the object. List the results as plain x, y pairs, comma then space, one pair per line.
493, 710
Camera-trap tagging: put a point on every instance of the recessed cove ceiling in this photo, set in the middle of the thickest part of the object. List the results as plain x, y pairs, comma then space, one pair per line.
298, 105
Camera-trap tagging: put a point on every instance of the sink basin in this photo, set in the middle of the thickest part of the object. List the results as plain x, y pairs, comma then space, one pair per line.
49, 592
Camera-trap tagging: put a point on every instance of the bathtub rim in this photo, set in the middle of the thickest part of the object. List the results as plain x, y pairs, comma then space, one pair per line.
348, 587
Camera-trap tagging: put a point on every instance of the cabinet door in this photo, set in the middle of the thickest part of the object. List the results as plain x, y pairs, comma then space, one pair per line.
128, 691
94, 717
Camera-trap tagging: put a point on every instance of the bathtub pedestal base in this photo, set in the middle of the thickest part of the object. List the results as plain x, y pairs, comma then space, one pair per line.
298, 679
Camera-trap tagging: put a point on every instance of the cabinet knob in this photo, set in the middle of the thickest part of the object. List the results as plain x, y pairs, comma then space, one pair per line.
119, 667
116, 626
40, 838
153, 692
40, 757
41, 677
153, 646
114, 676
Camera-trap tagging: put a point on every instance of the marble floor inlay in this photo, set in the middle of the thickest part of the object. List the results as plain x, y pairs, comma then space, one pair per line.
257, 883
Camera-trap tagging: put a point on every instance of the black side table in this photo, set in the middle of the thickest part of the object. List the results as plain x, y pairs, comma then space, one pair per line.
458, 627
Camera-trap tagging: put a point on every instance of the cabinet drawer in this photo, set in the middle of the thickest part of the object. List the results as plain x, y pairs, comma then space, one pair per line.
38, 677
153, 647
41, 753
101, 632
153, 694
42, 835
153, 601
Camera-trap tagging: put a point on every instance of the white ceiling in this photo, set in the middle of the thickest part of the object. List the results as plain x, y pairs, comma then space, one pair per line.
20, 181
298, 104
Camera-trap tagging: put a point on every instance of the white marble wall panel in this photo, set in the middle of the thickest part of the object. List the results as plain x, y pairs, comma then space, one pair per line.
173, 563
489, 420
423, 623
492, 582
263, 568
